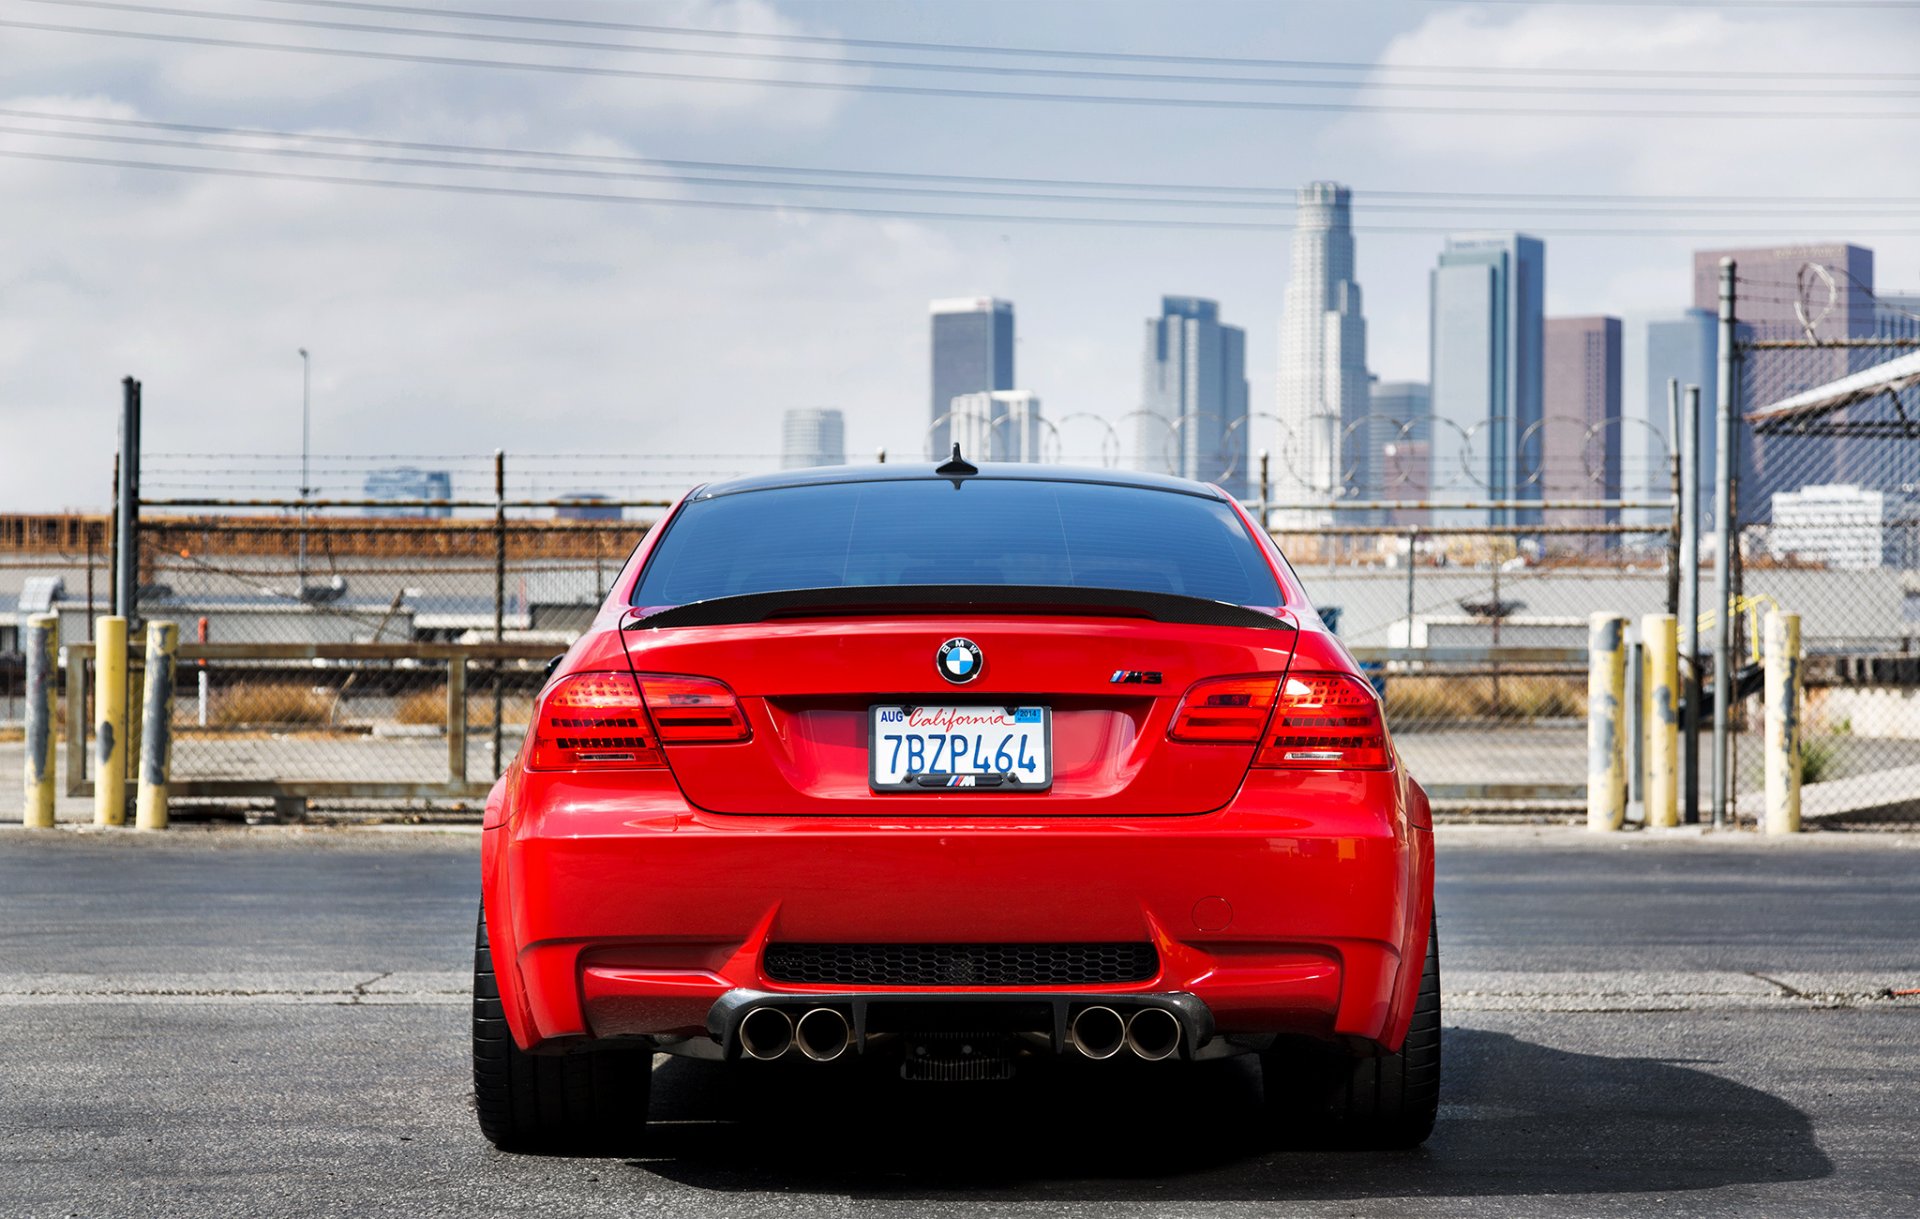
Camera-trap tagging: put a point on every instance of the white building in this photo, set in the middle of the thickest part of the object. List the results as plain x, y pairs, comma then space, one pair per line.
1003, 425
813, 436
1322, 384
1837, 525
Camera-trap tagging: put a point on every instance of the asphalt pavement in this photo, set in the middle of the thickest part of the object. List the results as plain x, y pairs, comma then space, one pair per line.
272, 1022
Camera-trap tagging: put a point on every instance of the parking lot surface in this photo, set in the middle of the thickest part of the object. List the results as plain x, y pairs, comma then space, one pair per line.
272, 1022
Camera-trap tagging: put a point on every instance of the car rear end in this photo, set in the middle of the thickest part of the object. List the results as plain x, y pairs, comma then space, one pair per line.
957, 770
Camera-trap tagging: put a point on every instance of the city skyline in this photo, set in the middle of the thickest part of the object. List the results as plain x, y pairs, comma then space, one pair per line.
1321, 379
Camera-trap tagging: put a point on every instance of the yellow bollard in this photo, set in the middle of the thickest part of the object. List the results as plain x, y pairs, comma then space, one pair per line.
156, 733
1783, 723
1606, 696
1661, 633
42, 641
110, 727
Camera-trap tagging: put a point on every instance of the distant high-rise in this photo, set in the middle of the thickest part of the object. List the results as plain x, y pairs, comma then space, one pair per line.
409, 482
1772, 280
1681, 347
812, 436
1579, 435
972, 354
1485, 354
1003, 425
1322, 384
1402, 446
1194, 394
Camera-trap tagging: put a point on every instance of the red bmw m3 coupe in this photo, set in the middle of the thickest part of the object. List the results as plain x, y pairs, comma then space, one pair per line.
953, 768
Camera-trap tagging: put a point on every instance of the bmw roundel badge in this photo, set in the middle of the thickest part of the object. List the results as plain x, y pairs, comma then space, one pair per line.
959, 660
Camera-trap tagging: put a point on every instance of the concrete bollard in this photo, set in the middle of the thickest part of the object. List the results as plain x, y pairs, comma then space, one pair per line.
1606, 746
156, 733
110, 726
43, 652
1783, 722
1662, 635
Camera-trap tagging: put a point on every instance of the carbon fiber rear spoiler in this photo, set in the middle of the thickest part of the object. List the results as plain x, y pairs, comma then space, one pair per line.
958, 599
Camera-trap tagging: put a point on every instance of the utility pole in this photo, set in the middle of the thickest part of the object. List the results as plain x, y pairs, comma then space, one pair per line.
126, 509
306, 484
1723, 543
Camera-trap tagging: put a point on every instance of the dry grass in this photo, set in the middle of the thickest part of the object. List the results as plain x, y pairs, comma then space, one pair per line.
424, 707
1442, 700
275, 704
430, 707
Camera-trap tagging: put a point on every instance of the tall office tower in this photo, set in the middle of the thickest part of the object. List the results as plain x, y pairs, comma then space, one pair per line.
409, 482
1772, 280
1579, 434
1485, 355
972, 354
1003, 425
813, 436
1681, 347
1322, 385
1401, 433
1194, 396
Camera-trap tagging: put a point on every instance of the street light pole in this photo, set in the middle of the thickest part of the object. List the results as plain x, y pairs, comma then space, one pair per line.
306, 487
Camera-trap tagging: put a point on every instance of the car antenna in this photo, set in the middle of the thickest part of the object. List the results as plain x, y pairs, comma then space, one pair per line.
956, 465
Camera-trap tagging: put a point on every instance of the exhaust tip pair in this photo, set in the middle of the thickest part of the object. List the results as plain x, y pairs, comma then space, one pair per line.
821, 1034
1152, 1033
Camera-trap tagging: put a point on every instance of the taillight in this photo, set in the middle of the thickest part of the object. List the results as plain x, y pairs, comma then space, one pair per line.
1326, 721
1224, 710
688, 709
593, 721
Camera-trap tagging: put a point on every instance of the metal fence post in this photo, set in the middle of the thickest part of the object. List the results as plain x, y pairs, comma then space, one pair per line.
1606, 752
43, 652
77, 734
1266, 516
110, 710
1659, 637
499, 589
126, 522
456, 720
1674, 480
156, 736
1723, 544
1783, 723
1689, 443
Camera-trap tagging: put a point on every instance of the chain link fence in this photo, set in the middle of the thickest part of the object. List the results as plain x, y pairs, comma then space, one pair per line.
1827, 516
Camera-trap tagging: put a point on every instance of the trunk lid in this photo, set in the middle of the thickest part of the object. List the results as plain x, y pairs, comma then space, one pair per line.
806, 686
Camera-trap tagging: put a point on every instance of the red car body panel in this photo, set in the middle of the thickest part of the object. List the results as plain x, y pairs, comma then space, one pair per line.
628, 902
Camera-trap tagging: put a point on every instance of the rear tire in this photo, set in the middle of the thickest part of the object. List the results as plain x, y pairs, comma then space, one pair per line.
593, 1100
1319, 1094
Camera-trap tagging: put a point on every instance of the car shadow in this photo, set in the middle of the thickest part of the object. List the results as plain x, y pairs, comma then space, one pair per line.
1516, 1118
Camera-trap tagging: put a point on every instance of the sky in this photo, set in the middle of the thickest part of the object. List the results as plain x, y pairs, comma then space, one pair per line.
674, 337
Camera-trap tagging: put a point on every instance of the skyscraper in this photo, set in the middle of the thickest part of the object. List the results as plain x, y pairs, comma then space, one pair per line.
1194, 395
1003, 425
813, 436
1322, 384
1579, 433
1681, 347
1485, 356
1773, 279
972, 353
1401, 440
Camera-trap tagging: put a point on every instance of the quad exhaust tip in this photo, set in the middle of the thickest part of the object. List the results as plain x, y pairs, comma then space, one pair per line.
823, 1034
1153, 1033
1099, 1032
766, 1033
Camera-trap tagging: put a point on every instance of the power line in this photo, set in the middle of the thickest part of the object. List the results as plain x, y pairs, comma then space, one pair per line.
867, 188
1279, 193
1660, 90
1070, 52
741, 205
904, 90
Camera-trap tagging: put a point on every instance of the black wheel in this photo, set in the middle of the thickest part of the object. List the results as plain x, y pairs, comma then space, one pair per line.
590, 1101
1319, 1094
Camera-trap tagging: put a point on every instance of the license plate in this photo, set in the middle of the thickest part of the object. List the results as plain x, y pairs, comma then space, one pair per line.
960, 748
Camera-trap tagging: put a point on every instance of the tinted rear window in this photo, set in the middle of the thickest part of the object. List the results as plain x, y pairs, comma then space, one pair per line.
988, 531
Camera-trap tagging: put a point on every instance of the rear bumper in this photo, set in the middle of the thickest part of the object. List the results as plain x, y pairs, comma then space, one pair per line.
627, 914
